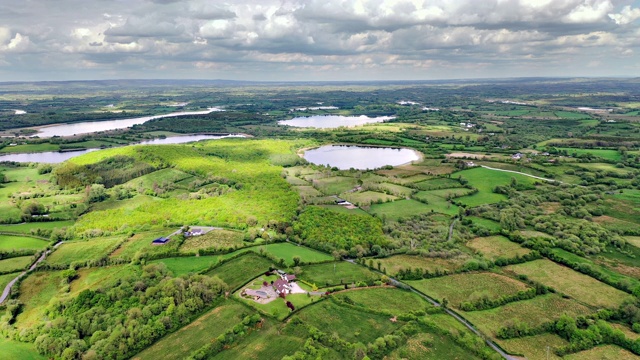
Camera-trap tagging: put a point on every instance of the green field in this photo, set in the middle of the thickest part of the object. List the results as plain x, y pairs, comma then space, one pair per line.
603, 352
533, 312
36, 290
288, 251
335, 185
191, 264
396, 301
141, 244
485, 181
425, 346
534, 347
15, 264
10, 242
6, 278
494, 247
99, 277
238, 271
436, 203
402, 262
27, 228
572, 283
400, 209
367, 197
336, 273
350, 324
613, 155
215, 239
94, 249
197, 334
490, 225
265, 343
468, 287
18, 350
438, 183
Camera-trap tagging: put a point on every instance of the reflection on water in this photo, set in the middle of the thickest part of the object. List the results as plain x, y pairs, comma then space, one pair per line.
54, 157
332, 121
345, 157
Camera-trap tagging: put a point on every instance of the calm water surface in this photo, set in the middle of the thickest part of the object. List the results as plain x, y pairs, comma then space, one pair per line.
332, 121
345, 157
54, 157
95, 126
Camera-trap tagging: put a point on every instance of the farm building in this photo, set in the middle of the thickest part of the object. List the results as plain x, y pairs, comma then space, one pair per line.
282, 287
160, 241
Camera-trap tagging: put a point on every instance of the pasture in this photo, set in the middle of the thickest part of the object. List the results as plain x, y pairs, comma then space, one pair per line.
238, 271
363, 198
28, 228
140, 244
215, 239
603, 352
396, 301
335, 185
402, 262
11, 242
336, 273
572, 283
36, 290
18, 350
6, 278
267, 342
533, 312
400, 209
426, 346
468, 287
438, 183
80, 251
288, 251
15, 264
534, 347
494, 247
98, 277
191, 264
436, 203
608, 154
488, 224
485, 181
197, 333
349, 324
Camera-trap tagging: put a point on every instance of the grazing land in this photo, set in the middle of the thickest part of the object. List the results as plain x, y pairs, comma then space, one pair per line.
336, 273
494, 247
10, 242
240, 270
572, 283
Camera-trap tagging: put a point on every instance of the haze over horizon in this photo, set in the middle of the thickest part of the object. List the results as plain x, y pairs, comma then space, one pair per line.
318, 40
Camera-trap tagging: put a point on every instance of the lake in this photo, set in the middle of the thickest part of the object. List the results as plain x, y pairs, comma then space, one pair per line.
345, 157
96, 126
332, 121
54, 157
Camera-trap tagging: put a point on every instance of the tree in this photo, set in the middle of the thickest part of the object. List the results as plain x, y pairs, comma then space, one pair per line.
296, 260
96, 193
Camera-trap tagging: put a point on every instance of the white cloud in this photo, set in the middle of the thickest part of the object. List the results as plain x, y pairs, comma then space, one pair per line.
626, 16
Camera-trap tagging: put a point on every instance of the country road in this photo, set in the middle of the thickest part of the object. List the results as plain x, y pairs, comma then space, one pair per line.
7, 289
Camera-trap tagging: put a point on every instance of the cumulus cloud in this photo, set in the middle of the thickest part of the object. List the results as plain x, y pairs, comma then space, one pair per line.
340, 38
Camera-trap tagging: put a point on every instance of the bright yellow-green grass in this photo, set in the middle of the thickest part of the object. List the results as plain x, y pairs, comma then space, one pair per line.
215, 239
193, 264
26, 228
263, 194
267, 342
437, 203
366, 197
296, 181
336, 273
141, 244
633, 240
197, 334
18, 350
468, 287
10, 242
335, 185
605, 167
288, 251
570, 282
94, 278
425, 346
307, 192
70, 252
397, 190
603, 352
30, 148
238, 271
36, 290
534, 347
6, 278
485, 181
399, 262
15, 264
401, 209
169, 175
350, 324
493, 247
396, 301
533, 312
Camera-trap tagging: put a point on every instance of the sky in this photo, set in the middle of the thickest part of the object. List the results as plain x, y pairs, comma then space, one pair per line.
317, 40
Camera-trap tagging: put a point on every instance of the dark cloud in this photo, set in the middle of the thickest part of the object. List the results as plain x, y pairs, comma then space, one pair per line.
319, 39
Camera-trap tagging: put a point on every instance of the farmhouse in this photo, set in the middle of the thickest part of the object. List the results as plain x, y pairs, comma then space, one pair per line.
160, 241
282, 287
